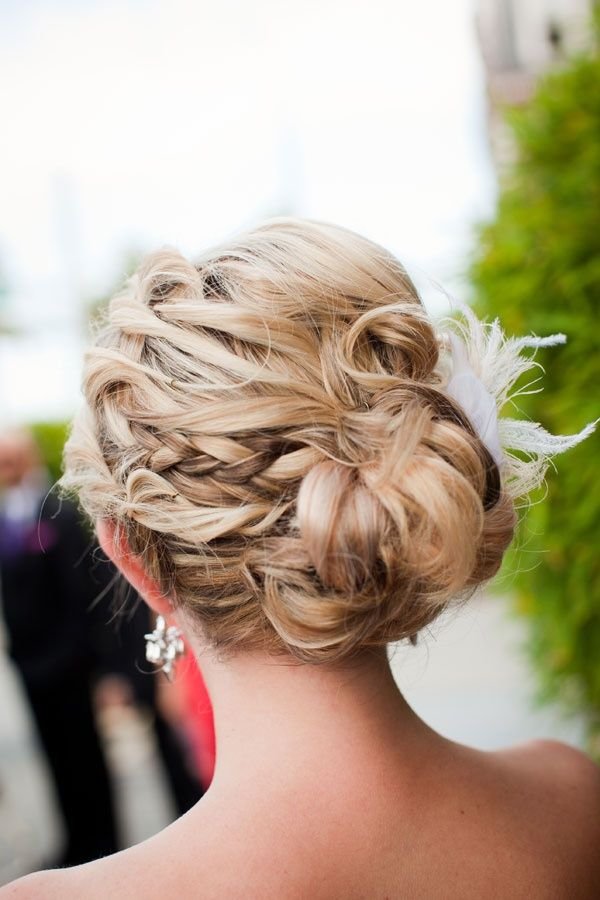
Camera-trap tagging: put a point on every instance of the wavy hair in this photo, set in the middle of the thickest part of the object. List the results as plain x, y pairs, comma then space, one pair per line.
268, 428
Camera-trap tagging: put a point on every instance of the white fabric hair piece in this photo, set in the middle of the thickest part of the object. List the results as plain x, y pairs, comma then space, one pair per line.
484, 366
471, 394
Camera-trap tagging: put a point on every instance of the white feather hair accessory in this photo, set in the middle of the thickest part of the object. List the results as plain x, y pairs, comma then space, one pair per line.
484, 366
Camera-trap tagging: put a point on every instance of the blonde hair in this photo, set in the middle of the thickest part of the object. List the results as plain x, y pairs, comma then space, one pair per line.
268, 429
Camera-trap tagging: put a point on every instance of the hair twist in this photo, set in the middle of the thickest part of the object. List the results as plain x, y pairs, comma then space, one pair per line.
269, 430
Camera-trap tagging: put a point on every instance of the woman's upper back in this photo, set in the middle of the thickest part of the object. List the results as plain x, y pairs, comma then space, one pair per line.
518, 823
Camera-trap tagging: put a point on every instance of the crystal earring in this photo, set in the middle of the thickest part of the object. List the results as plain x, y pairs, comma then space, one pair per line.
164, 646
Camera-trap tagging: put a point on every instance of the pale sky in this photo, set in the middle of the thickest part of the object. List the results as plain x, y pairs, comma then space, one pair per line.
129, 125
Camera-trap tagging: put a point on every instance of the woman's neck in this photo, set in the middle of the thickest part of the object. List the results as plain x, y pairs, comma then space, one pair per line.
274, 715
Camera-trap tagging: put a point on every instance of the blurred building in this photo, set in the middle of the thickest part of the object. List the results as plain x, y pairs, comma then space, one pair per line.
519, 40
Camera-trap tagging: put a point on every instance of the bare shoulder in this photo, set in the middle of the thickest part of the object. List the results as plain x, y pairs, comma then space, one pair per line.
92, 881
573, 777
558, 788
48, 885
138, 871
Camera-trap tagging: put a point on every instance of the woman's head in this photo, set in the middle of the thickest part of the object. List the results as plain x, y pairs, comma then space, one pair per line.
268, 431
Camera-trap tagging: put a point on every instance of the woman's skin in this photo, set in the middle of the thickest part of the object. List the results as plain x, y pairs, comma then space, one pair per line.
328, 785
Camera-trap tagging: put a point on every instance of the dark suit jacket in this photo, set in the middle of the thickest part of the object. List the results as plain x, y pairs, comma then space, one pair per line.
49, 579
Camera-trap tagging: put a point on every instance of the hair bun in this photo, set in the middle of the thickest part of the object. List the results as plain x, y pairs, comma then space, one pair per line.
272, 431
339, 522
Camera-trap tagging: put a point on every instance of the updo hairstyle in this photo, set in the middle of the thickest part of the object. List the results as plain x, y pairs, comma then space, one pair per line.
268, 430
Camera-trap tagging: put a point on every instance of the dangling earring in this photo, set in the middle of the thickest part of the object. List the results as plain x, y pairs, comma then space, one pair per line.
164, 646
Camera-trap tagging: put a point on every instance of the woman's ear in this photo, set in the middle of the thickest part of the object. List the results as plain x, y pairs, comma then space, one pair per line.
115, 545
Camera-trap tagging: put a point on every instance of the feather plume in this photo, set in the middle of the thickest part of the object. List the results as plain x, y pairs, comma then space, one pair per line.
499, 361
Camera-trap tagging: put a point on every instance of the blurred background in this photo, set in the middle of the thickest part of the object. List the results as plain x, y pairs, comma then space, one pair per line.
464, 135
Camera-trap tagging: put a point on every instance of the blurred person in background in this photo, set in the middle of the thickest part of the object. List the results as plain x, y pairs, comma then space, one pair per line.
296, 466
74, 654
46, 590
125, 679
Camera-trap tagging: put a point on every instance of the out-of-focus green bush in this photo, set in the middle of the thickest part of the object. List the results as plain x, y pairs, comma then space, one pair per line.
50, 438
538, 269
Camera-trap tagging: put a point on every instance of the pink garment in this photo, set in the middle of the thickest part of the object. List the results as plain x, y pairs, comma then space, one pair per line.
199, 718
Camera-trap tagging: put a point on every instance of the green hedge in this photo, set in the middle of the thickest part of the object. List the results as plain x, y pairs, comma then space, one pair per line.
538, 269
50, 438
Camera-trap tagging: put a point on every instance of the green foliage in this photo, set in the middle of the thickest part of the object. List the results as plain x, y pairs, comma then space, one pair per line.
50, 438
538, 269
